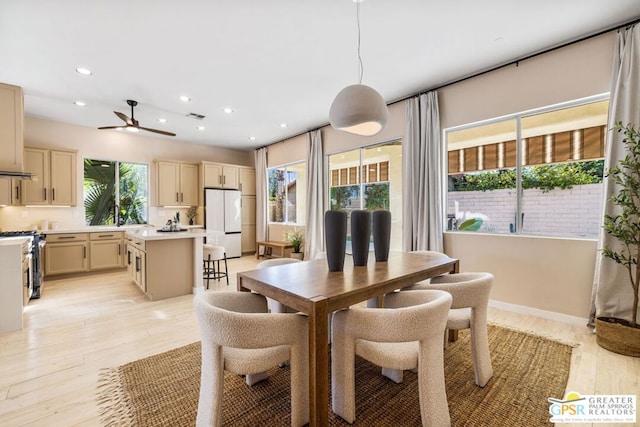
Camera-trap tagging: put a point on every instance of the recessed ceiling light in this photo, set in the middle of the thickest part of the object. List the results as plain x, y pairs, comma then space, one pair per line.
185, 98
200, 127
252, 138
283, 125
132, 129
161, 120
83, 71
80, 103
228, 110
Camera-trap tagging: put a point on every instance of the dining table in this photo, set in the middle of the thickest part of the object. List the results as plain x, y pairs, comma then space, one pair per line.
311, 288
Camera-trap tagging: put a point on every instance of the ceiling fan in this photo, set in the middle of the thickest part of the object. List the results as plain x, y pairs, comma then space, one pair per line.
132, 123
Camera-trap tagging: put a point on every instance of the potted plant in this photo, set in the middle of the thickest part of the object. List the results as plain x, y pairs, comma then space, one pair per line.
615, 334
296, 238
191, 214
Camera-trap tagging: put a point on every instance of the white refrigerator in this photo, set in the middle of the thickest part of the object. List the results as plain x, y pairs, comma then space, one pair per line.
223, 219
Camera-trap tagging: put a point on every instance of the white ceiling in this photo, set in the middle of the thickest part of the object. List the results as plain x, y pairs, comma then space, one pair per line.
273, 62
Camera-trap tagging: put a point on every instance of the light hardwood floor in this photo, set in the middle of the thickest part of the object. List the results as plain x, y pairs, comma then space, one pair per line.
49, 370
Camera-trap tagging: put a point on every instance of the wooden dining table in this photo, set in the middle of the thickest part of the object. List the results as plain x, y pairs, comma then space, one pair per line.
311, 288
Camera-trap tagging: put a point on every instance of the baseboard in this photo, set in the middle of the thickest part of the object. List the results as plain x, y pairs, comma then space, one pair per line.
550, 315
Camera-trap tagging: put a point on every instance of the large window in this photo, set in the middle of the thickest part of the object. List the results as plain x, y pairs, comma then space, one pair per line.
537, 173
288, 194
115, 192
369, 178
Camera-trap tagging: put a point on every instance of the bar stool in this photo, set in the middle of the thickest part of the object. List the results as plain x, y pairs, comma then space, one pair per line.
213, 254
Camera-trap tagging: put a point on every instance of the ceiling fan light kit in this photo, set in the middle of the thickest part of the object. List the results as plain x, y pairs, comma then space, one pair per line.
132, 125
359, 109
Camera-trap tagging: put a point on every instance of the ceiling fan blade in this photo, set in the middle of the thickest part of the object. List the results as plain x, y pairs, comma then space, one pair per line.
124, 118
162, 132
111, 127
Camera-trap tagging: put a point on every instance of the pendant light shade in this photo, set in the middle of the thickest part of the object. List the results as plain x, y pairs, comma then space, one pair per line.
359, 109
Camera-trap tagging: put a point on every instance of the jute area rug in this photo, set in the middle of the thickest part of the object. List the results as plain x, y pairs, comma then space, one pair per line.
162, 390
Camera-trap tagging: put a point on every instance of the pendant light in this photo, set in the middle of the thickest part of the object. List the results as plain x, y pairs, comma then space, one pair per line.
359, 109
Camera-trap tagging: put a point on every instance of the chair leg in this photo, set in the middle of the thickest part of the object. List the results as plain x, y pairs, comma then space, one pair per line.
226, 270
252, 379
395, 375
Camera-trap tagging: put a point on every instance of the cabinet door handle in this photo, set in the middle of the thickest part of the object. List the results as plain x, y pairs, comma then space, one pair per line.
66, 237
53, 194
219, 179
177, 197
84, 252
17, 192
182, 197
137, 263
128, 257
224, 179
240, 186
105, 235
45, 193
119, 250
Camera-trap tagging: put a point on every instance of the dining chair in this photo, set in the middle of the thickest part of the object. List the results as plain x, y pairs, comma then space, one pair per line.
239, 336
470, 292
212, 255
276, 306
393, 337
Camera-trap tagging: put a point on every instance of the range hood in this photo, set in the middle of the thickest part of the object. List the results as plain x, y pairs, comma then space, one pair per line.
18, 175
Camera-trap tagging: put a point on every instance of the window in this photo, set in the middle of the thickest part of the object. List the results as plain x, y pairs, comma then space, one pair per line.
369, 178
288, 194
115, 192
536, 173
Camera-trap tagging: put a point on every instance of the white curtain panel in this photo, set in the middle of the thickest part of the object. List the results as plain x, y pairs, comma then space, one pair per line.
612, 295
261, 194
314, 234
423, 168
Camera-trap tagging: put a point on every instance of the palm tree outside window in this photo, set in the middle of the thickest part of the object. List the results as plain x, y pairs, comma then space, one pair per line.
115, 193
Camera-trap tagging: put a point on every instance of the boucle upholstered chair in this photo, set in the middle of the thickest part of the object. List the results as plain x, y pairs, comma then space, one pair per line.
239, 336
276, 306
393, 337
470, 292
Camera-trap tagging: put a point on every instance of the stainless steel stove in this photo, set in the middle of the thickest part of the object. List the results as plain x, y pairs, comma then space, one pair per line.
34, 277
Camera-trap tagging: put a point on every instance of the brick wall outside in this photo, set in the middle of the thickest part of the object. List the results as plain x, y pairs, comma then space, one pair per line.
574, 212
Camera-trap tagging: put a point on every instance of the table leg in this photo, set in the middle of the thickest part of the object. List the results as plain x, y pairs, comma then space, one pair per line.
318, 364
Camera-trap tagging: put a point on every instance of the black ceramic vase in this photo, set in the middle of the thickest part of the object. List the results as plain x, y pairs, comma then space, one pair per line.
360, 235
381, 225
335, 237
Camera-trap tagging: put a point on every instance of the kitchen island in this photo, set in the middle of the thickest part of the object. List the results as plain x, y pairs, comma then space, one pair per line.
165, 264
15, 266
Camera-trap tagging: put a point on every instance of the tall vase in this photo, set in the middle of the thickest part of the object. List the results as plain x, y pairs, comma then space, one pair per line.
335, 236
381, 224
360, 235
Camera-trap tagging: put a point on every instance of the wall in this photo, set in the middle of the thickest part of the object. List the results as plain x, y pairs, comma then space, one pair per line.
532, 272
108, 145
574, 212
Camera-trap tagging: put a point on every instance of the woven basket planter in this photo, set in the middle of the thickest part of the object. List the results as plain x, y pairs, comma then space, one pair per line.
615, 335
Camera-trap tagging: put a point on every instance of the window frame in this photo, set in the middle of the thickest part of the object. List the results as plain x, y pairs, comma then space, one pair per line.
517, 117
286, 166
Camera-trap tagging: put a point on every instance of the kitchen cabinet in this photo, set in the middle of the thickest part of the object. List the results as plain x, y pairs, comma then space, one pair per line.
137, 262
248, 228
219, 175
9, 192
247, 180
105, 250
14, 254
11, 128
56, 172
66, 253
176, 184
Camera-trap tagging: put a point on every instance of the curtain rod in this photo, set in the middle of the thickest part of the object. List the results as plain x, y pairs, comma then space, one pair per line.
480, 73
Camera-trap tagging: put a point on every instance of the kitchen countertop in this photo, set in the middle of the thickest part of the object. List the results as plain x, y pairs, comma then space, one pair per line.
107, 228
17, 240
154, 234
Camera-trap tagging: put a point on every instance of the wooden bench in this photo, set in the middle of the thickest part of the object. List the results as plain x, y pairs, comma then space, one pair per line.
282, 246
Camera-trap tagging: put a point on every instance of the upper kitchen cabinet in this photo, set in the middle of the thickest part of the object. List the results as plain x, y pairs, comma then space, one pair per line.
11, 128
218, 175
56, 177
10, 191
247, 178
177, 184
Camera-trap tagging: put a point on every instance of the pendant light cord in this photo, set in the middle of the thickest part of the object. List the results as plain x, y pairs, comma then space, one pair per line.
360, 66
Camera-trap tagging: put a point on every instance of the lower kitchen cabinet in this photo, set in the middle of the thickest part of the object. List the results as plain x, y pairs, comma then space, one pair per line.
65, 253
105, 251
